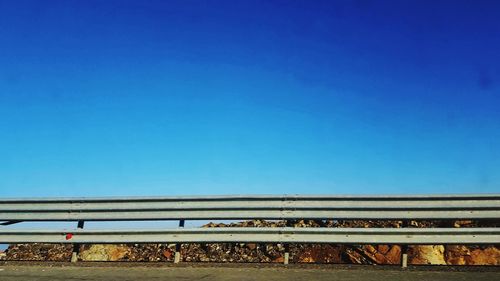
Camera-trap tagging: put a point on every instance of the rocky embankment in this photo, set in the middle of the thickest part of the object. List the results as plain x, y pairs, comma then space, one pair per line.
274, 253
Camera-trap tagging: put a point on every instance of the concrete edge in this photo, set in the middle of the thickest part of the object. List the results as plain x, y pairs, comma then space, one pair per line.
437, 268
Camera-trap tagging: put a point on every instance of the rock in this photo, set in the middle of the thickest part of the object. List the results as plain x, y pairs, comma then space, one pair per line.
369, 249
39, 252
383, 249
456, 254
488, 256
211, 224
168, 253
230, 252
100, 252
252, 246
464, 223
369, 254
279, 259
426, 254
465, 255
353, 256
394, 255
150, 252
316, 253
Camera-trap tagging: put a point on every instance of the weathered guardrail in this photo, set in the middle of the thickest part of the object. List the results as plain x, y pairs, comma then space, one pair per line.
286, 207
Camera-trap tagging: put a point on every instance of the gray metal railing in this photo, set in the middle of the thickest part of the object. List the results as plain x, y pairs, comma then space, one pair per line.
252, 207
286, 207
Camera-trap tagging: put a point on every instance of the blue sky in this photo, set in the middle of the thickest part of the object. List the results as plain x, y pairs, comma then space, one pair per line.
144, 98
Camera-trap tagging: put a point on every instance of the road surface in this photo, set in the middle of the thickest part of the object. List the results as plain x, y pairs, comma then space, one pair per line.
70, 273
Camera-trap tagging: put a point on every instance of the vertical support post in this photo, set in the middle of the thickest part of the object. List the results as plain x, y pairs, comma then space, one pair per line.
404, 258
286, 258
404, 250
76, 247
177, 256
9, 223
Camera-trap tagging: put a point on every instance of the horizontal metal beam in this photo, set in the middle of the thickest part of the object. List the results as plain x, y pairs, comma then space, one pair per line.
250, 207
261, 235
249, 214
258, 197
268, 204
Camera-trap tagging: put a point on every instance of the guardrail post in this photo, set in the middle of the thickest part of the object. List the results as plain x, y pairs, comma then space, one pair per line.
177, 256
404, 249
9, 223
404, 257
76, 247
286, 258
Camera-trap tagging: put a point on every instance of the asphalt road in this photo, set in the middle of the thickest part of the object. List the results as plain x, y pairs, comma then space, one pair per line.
45, 273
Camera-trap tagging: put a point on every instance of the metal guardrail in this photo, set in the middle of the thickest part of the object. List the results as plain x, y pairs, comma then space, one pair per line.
286, 207
252, 207
262, 234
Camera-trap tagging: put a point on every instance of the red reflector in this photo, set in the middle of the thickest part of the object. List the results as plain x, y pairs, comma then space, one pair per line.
69, 236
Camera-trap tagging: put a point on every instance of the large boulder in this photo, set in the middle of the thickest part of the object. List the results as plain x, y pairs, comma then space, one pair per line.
488, 256
426, 254
464, 255
100, 252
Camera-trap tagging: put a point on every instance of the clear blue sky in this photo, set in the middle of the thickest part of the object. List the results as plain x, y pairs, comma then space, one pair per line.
220, 97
